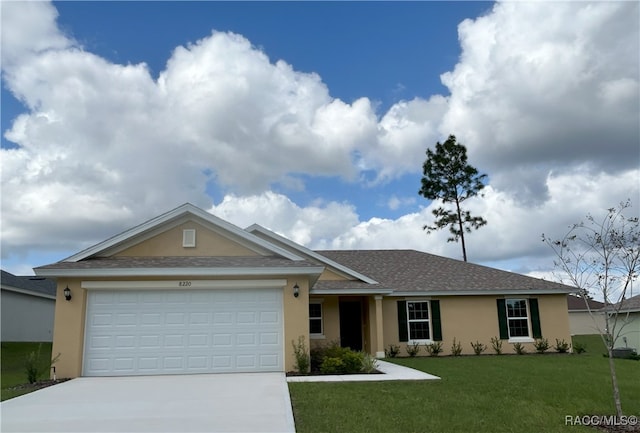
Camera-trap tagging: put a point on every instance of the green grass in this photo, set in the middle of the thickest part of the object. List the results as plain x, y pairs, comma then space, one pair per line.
12, 366
508, 393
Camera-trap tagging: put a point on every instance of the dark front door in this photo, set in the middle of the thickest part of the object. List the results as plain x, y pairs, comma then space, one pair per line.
351, 324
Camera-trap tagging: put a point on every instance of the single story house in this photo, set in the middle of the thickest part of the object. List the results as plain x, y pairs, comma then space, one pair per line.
629, 323
187, 292
585, 316
28, 305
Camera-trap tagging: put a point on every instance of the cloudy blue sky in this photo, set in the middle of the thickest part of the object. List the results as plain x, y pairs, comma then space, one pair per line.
313, 119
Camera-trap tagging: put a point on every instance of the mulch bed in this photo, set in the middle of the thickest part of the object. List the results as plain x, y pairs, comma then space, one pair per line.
38, 385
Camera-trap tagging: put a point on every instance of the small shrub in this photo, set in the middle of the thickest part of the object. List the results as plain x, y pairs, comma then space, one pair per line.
333, 359
561, 346
519, 348
352, 361
369, 363
434, 349
456, 348
413, 349
579, 348
478, 347
332, 366
35, 367
300, 353
541, 345
496, 343
392, 351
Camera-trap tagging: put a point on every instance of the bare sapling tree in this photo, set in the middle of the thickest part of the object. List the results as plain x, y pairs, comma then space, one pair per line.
602, 258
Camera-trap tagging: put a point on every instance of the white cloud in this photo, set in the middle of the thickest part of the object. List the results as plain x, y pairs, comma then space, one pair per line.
312, 225
544, 96
542, 86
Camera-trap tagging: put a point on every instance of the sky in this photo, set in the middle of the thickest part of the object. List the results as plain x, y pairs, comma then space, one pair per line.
313, 118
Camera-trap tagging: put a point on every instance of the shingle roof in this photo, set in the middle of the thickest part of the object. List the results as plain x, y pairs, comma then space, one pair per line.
631, 304
576, 303
415, 271
45, 286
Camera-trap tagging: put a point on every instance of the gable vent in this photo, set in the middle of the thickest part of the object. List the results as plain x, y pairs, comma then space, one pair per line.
189, 238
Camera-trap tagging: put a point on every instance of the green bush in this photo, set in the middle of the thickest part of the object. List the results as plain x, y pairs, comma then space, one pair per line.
352, 362
496, 343
392, 351
478, 347
541, 345
369, 363
519, 348
456, 348
35, 367
333, 359
332, 366
562, 346
579, 348
413, 349
300, 353
434, 349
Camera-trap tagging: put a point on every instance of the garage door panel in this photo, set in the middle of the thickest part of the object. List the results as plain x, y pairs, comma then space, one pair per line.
193, 331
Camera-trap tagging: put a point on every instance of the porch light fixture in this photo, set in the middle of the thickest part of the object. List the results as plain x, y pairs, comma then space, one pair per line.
296, 290
67, 293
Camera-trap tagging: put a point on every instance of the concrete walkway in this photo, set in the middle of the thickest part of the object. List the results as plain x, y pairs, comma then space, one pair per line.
391, 372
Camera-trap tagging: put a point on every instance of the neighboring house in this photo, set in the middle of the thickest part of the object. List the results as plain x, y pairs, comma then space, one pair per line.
187, 292
629, 323
585, 316
28, 305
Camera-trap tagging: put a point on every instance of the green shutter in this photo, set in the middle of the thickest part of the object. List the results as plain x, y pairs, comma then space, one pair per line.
535, 318
403, 331
502, 319
436, 323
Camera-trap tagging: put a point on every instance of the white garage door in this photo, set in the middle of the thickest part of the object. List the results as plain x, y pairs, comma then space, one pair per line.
146, 332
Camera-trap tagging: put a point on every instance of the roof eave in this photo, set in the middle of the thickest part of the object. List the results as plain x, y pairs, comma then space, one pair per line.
28, 292
519, 292
320, 292
313, 272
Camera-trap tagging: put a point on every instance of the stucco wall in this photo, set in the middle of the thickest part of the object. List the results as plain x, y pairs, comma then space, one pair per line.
630, 329
169, 243
474, 318
26, 317
582, 323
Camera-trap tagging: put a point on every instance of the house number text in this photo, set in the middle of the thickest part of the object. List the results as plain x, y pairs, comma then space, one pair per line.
184, 283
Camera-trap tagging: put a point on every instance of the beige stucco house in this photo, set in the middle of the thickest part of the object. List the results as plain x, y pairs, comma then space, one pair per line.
187, 292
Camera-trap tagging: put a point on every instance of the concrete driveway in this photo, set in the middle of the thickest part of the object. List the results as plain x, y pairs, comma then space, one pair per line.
241, 402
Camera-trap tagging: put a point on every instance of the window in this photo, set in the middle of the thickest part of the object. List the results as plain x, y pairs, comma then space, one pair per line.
517, 318
189, 238
315, 318
418, 320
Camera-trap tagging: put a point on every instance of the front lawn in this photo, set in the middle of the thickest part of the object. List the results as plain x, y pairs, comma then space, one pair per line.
476, 393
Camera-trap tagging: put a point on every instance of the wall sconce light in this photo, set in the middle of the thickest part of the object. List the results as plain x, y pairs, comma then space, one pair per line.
67, 293
296, 290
